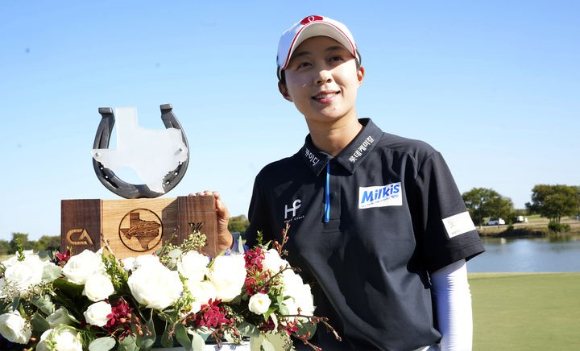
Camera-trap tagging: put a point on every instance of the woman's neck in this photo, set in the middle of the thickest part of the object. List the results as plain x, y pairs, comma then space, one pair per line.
333, 138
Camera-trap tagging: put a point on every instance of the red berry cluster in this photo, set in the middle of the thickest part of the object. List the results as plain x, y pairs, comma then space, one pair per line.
211, 315
119, 321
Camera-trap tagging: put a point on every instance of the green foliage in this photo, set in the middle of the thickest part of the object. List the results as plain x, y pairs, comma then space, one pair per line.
4, 247
556, 227
20, 240
46, 243
238, 224
554, 201
483, 202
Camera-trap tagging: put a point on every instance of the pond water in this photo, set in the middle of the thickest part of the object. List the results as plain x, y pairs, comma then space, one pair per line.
528, 255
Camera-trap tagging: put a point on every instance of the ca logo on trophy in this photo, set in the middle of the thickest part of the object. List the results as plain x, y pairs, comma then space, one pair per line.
142, 221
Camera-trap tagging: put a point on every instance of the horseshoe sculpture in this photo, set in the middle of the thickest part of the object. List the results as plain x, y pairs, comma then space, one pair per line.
117, 185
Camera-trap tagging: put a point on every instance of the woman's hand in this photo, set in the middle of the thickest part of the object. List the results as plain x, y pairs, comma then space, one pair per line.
224, 239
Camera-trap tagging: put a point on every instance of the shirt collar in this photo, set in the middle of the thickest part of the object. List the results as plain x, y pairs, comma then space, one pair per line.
351, 156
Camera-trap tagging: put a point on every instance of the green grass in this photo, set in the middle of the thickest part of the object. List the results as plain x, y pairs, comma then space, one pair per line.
523, 311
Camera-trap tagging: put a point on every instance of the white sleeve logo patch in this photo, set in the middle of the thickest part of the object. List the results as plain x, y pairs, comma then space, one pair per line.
380, 196
458, 224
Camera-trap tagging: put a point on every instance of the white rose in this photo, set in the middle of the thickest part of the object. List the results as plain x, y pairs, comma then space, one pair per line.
146, 261
24, 275
66, 339
128, 264
155, 286
98, 287
202, 292
299, 293
97, 313
80, 267
228, 274
273, 261
259, 303
60, 316
14, 328
193, 265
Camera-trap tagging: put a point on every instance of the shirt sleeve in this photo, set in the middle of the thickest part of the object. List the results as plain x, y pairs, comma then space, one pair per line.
445, 231
257, 216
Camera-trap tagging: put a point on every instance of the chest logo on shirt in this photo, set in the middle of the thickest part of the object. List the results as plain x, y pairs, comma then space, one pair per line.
380, 196
292, 210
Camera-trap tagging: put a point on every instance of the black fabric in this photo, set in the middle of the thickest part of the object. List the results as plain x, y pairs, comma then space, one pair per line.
368, 267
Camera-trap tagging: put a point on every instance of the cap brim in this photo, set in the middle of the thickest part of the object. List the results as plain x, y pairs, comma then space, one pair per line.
316, 29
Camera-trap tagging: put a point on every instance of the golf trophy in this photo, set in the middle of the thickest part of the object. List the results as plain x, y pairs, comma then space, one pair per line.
141, 222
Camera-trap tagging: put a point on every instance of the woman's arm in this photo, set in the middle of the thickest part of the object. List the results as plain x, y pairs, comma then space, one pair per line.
452, 298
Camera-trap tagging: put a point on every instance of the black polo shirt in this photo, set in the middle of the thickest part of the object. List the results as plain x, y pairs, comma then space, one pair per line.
395, 214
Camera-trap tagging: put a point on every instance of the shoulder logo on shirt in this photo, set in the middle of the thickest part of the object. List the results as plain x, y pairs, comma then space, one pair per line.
380, 196
458, 224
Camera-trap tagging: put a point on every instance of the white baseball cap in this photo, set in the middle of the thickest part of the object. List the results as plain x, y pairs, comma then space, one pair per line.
309, 27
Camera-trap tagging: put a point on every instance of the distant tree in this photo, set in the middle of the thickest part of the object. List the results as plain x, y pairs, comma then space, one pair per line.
4, 247
501, 207
47, 243
238, 224
554, 201
21, 238
484, 202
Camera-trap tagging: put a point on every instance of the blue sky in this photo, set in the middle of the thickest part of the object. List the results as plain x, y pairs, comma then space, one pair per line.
493, 85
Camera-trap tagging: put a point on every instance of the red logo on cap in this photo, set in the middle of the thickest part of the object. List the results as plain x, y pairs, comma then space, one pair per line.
311, 19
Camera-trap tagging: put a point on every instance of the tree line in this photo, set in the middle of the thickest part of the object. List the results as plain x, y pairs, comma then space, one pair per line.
45, 242
50, 243
549, 201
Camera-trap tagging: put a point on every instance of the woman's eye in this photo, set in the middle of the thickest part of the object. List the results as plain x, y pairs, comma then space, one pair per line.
336, 59
303, 64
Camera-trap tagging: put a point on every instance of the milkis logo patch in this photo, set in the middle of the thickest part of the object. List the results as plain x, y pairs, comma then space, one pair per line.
380, 196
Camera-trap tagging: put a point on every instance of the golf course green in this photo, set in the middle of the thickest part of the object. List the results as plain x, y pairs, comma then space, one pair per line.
526, 311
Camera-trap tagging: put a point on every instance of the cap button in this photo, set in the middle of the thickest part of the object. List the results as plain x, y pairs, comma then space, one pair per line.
311, 19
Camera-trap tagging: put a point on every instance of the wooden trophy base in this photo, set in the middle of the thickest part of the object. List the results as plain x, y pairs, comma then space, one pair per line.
137, 226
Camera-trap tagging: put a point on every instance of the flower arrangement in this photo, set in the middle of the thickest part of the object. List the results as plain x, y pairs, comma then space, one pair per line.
178, 296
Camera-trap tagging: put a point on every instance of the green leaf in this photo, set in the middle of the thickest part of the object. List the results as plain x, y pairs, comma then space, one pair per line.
44, 303
267, 346
204, 332
69, 289
305, 328
105, 343
128, 344
51, 272
146, 341
39, 323
72, 317
283, 310
16, 304
197, 343
249, 330
182, 337
166, 340
278, 341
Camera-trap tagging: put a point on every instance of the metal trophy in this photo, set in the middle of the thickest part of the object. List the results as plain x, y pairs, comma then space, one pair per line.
141, 222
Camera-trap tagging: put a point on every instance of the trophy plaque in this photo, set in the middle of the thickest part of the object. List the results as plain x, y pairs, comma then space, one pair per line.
141, 222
